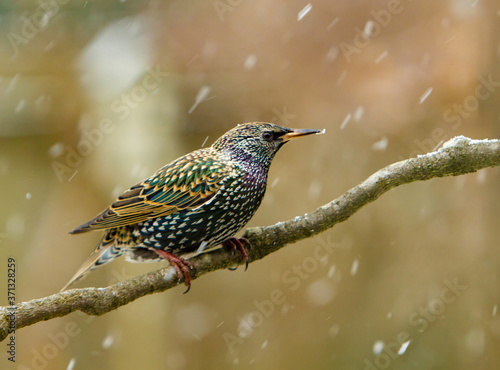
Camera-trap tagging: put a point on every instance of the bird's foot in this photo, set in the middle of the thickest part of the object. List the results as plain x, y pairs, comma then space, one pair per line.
181, 265
233, 244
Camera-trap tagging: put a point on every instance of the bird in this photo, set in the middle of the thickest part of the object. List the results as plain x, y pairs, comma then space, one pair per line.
192, 205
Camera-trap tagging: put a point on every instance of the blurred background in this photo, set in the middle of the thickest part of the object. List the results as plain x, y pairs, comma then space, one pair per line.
96, 96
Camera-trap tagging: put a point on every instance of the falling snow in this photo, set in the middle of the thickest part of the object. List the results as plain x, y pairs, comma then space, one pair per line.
345, 121
332, 23
334, 330
28, 196
315, 188
50, 45
250, 62
378, 347
341, 77
403, 347
321, 292
438, 145
71, 364
107, 342
425, 95
197, 337
56, 150
12, 84
243, 330
202, 95
332, 54
381, 57
450, 39
354, 267
331, 271
381, 145
286, 307
20, 105
358, 113
44, 21
369, 28
304, 12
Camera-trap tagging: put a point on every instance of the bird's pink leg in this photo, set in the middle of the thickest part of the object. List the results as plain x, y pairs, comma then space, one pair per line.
181, 265
232, 244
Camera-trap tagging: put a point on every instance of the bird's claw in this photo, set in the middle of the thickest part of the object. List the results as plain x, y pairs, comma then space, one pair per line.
233, 244
181, 266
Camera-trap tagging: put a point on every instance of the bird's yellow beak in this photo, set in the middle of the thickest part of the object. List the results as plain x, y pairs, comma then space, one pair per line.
295, 133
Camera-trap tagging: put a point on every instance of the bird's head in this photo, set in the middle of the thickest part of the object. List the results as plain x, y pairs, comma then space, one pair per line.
257, 141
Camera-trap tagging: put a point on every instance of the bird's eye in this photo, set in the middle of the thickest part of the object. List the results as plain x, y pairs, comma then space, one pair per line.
268, 136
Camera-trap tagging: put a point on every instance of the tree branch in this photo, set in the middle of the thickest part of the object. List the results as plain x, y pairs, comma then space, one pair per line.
458, 156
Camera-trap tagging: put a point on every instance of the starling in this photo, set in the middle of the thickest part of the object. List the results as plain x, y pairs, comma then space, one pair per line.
191, 205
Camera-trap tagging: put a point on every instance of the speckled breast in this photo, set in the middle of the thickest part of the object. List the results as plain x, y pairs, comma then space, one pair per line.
228, 212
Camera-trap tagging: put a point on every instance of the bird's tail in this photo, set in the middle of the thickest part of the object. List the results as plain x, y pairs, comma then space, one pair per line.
106, 251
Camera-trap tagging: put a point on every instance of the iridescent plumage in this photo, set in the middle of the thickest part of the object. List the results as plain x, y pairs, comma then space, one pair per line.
191, 205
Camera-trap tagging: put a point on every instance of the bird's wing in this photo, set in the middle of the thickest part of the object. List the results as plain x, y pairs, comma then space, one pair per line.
186, 183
